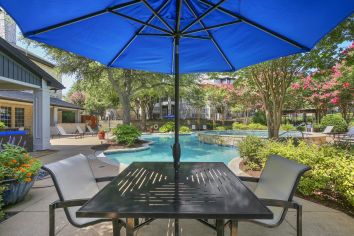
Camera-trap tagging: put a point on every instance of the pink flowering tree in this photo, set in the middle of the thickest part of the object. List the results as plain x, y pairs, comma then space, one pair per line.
78, 98
329, 88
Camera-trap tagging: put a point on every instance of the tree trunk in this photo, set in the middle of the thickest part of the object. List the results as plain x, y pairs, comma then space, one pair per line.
125, 101
143, 117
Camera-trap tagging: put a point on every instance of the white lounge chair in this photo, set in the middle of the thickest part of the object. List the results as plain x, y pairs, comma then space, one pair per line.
194, 127
205, 127
276, 188
62, 132
328, 130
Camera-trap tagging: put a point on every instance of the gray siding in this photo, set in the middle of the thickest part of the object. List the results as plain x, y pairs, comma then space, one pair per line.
11, 69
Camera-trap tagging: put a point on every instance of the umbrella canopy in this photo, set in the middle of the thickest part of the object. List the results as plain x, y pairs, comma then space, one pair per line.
179, 36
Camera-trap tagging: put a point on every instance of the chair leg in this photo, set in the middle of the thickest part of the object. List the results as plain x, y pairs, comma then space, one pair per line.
299, 220
117, 226
51, 220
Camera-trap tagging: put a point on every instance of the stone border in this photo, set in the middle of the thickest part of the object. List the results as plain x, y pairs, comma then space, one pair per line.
145, 146
233, 140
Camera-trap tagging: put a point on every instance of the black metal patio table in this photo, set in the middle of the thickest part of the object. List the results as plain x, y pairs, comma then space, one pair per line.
199, 190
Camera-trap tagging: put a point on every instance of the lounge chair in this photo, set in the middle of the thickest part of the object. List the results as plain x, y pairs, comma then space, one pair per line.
75, 184
328, 130
205, 127
347, 138
276, 187
62, 132
194, 127
91, 131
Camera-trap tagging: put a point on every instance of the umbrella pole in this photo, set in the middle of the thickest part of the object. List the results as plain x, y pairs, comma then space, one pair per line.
176, 145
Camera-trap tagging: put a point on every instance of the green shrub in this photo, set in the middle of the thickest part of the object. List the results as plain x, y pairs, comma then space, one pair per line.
249, 149
259, 118
255, 126
336, 120
331, 167
301, 128
2, 125
238, 126
318, 128
167, 127
220, 128
126, 134
287, 127
184, 130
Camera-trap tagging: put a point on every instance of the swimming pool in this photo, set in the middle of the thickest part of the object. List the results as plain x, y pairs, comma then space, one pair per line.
192, 150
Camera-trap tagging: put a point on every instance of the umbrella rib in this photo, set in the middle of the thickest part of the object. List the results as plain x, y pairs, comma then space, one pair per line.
135, 36
157, 35
196, 37
81, 18
157, 15
258, 26
198, 18
140, 22
213, 27
211, 37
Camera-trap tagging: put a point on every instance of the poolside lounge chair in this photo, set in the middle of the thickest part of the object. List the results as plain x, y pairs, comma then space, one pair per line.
205, 127
75, 184
328, 130
194, 127
91, 131
62, 132
276, 187
347, 138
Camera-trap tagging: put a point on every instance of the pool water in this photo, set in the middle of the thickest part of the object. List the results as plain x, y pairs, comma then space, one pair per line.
192, 151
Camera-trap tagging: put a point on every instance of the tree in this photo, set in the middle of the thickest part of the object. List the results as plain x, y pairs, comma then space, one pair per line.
271, 81
220, 97
195, 96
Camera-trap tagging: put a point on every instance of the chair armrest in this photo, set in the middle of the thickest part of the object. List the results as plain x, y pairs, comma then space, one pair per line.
248, 179
279, 203
104, 179
69, 203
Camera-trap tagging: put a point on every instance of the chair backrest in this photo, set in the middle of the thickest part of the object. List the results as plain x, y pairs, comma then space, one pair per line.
90, 129
193, 127
328, 129
61, 130
204, 127
350, 131
21, 128
279, 180
79, 129
73, 179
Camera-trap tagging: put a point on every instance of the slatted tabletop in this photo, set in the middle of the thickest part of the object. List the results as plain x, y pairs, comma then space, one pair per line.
152, 190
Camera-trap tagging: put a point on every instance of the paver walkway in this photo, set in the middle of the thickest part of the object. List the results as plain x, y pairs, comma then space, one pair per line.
32, 216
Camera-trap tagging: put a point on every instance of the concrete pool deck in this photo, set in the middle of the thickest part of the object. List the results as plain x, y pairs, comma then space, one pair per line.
32, 213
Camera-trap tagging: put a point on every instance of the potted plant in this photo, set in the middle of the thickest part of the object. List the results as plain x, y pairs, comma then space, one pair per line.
19, 171
101, 134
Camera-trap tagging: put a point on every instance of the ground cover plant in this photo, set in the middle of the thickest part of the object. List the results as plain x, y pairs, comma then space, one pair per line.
331, 176
167, 127
184, 130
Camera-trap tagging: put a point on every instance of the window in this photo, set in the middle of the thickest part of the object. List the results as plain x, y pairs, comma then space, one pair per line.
19, 117
5, 115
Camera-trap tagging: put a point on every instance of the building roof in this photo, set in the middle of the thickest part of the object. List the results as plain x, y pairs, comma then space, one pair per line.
21, 96
35, 57
22, 59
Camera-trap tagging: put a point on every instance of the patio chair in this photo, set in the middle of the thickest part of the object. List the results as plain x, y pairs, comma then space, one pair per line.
205, 127
328, 130
62, 132
75, 184
194, 127
276, 188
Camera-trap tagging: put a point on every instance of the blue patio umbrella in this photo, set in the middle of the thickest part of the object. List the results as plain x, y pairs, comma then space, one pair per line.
179, 36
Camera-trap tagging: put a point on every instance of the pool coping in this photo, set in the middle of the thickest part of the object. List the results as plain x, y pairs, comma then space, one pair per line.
145, 146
